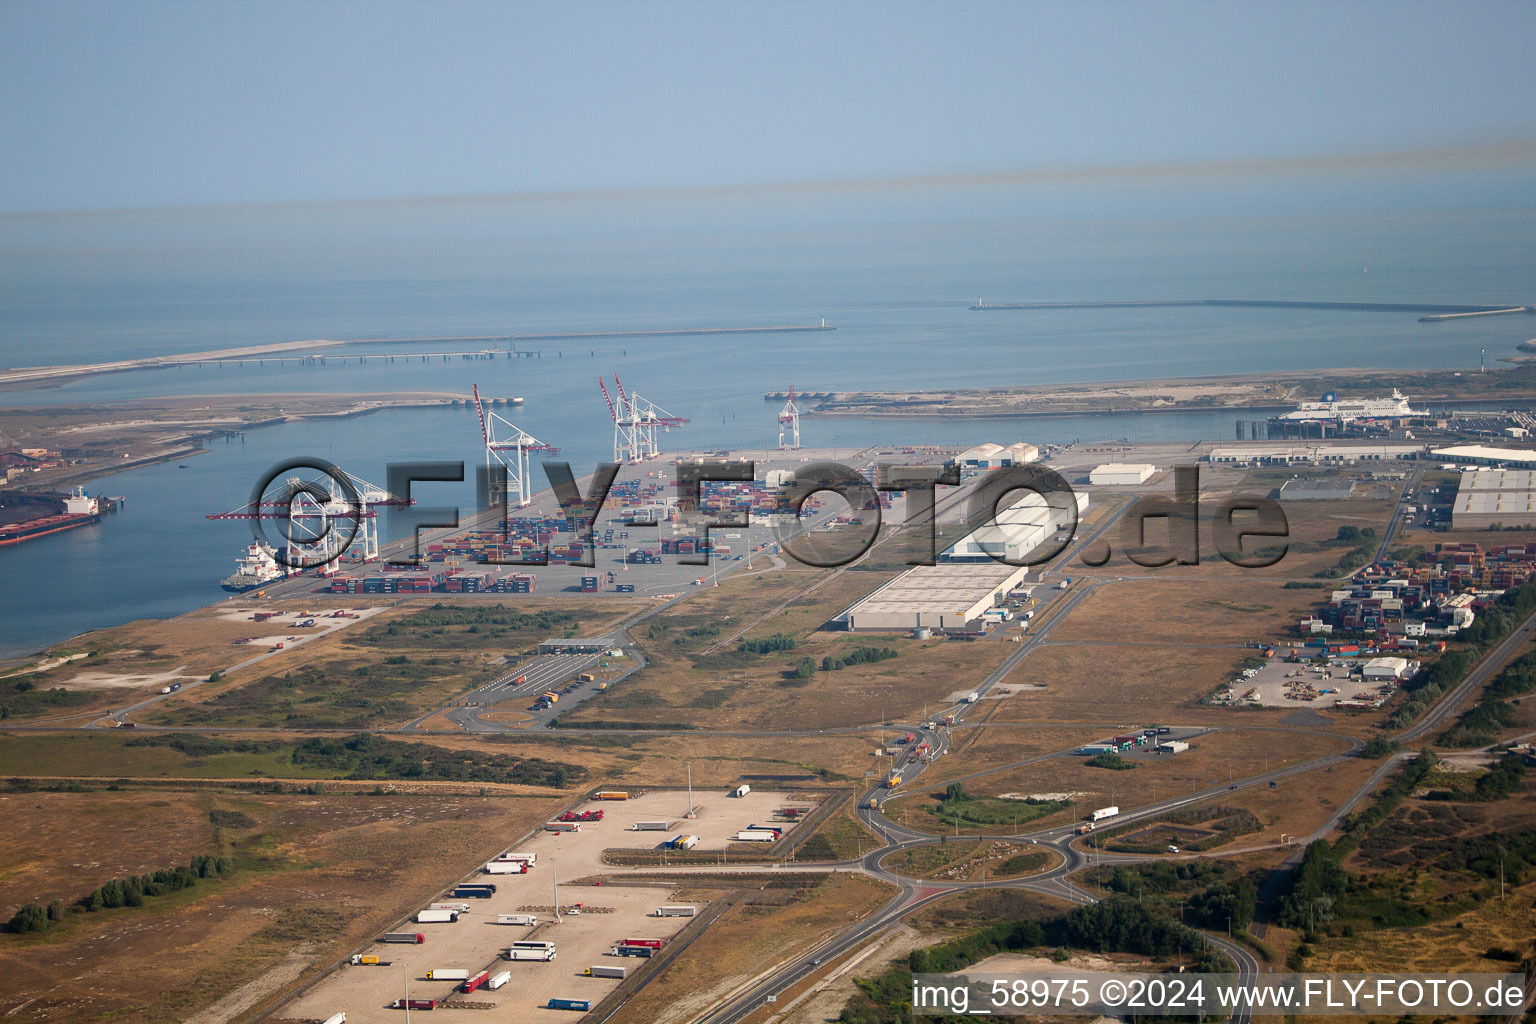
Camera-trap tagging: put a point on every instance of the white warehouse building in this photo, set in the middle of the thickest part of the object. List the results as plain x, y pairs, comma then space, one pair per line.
945, 596
996, 456
1390, 668
1121, 474
968, 581
1021, 528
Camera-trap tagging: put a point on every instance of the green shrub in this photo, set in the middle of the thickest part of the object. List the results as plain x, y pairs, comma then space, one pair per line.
769, 644
857, 656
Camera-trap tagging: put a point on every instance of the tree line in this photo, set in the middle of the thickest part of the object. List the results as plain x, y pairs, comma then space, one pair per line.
130, 891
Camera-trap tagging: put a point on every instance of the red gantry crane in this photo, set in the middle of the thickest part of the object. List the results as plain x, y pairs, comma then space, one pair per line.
511, 450
635, 421
323, 516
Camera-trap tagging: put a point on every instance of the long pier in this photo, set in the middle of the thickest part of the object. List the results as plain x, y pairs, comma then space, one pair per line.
1433, 311
306, 351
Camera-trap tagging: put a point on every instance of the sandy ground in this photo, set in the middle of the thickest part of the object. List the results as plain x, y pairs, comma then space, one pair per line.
326, 623
124, 424
48, 663
476, 942
126, 680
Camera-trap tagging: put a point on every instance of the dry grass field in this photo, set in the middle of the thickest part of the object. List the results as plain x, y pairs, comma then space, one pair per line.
732, 689
379, 672
993, 748
655, 761
744, 941
1419, 858
317, 875
1312, 531
1159, 610
1297, 805
1102, 682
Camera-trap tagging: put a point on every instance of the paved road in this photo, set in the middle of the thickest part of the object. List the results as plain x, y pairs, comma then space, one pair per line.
1399, 512
1449, 703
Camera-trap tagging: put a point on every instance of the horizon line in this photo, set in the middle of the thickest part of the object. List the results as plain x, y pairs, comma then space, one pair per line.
1491, 153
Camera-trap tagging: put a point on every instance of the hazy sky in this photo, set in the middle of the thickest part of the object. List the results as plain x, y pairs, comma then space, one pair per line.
132, 102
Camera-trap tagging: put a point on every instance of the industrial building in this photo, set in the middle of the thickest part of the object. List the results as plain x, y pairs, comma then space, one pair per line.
1494, 497
1172, 747
1483, 455
575, 646
1021, 528
1306, 489
1121, 474
1389, 669
1322, 454
946, 596
996, 456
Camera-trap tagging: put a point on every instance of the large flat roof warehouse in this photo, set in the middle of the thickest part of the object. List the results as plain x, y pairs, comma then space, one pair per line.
1113, 474
1019, 529
943, 596
1490, 497
1497, 480
1524, 458
1322, 453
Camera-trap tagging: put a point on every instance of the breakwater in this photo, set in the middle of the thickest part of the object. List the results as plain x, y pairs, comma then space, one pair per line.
1429, 309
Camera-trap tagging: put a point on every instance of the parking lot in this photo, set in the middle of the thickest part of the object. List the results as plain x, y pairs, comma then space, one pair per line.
608, 914
1282, 684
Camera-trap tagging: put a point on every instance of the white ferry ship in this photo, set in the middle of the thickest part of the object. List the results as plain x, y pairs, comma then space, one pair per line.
1330, 408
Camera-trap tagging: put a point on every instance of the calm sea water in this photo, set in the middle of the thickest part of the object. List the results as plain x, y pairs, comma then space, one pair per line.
894, 270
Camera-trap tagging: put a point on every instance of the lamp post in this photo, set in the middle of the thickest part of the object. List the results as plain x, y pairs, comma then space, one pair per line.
554, 875
690, 789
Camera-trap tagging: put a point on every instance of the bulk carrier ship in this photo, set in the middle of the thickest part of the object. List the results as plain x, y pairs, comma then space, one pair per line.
80, 509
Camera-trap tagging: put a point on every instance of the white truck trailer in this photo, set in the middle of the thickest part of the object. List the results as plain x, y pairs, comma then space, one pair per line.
676, 911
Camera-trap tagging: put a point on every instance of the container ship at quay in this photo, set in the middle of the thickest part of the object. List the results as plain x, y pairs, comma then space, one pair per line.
255, 568
80, 509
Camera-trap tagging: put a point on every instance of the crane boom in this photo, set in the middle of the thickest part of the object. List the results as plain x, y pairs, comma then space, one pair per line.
480, 410
611, 411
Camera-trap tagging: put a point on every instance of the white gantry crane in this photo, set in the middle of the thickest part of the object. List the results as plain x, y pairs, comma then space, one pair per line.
323, 517
789, 417
635, 420
510, 449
